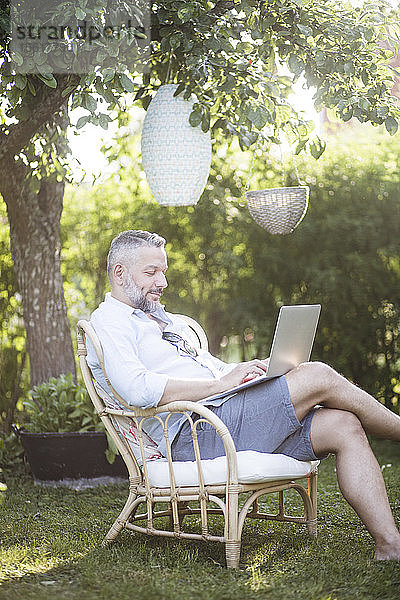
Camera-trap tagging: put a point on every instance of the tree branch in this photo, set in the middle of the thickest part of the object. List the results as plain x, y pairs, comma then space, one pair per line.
18, 135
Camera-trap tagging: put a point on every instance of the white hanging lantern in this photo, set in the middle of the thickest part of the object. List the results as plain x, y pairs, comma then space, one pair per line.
176, 157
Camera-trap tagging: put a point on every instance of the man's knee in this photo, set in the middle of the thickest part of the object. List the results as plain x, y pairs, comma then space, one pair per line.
332, 430
312, 383
325, 380
321, 372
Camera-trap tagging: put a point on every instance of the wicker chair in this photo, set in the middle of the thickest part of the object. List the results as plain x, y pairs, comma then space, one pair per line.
212, 486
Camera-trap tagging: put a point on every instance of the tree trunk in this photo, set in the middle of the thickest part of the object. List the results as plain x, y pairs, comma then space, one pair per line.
35, 247
16, 393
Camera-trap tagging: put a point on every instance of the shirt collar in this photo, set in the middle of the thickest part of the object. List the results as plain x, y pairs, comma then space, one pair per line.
160, 314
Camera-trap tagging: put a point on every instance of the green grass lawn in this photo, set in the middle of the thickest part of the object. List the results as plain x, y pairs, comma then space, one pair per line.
50, 548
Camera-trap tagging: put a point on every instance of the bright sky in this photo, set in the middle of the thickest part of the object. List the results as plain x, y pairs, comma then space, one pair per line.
85, 148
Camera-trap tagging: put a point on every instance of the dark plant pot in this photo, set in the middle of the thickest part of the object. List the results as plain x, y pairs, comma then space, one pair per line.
57, 456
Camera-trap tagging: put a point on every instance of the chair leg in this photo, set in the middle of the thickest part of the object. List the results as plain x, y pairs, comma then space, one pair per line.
114, 530
312, 528
232, 537
182, 506
312, 491
232, 553
119, 523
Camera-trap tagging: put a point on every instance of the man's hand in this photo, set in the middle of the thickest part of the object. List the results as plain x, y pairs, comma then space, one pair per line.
244, 372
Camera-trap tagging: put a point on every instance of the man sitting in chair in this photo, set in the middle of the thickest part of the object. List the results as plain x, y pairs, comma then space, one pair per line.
307, 413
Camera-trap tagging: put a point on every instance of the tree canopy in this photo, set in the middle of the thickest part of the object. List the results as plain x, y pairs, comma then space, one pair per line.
230, 54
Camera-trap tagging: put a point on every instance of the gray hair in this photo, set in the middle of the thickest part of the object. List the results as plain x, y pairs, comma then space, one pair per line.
125, 244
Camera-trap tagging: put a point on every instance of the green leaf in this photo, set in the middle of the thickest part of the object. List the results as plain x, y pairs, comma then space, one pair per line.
146, 101
365, 77
221, 62
113, 48
108, 75
32, 88
305, 30
317, 147
185, 13
259, 117
347, 113
219, 124
89, 102
175, 41
229, 83
319, 58
300, 147
20, 81
179, 90
245, 141
369, 34
79, 13
205, 122
68, 90
296, 64
47, 79
17, 58
76, 413
195, 118
82, 121
110, 456
283, 114
213, 44
104, 120
126, 82
256, 35
391, 125
383, 111
365, 104
244, 48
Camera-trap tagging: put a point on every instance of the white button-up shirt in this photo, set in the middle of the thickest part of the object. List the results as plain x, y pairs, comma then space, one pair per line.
139, 362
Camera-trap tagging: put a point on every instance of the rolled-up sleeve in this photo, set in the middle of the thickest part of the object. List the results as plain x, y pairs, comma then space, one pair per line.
137, 385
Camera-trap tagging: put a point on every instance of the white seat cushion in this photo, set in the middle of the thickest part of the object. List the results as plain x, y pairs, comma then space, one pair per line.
253, 467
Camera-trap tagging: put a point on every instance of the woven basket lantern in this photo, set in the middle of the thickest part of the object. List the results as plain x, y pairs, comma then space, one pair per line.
176, 157
278, 210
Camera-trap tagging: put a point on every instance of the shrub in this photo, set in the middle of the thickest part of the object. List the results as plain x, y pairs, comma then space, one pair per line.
60, 405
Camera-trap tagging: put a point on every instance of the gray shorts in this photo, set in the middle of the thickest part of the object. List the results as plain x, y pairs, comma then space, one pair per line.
260, 418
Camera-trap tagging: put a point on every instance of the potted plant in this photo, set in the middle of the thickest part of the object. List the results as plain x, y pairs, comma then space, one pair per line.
63, 438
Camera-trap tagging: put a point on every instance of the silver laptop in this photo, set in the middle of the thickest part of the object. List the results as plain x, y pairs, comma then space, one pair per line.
291, 345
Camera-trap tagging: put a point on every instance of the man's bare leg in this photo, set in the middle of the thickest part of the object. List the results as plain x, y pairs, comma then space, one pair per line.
316, 383
359, 476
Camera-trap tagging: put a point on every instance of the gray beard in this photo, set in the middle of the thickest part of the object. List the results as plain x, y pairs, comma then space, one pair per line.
137, 297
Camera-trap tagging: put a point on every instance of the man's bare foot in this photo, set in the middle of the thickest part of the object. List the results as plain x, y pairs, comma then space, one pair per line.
389, 551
